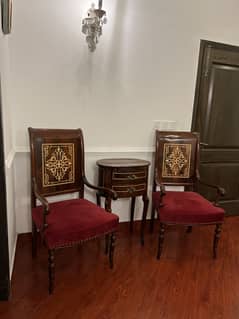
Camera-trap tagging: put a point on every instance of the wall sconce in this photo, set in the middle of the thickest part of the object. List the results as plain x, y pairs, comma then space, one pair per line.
92, 25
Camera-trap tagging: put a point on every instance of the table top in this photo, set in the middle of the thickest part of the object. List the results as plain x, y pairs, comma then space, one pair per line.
122, 162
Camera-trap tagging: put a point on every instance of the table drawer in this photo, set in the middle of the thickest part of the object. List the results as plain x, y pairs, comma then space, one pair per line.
134, 176
130, 189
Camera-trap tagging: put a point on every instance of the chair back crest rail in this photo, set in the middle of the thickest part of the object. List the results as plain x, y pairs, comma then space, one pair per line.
57, 161
176, 159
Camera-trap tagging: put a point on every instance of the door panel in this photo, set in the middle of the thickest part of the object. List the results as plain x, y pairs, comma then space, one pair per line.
216, 114
223, 105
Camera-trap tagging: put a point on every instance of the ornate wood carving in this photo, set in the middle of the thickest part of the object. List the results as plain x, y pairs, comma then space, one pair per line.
176, 160
58, 164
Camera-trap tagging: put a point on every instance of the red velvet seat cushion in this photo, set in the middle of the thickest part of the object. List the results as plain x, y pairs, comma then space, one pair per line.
187, 208
73, 221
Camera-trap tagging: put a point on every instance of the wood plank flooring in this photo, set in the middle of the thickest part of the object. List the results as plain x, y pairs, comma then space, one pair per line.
185, 284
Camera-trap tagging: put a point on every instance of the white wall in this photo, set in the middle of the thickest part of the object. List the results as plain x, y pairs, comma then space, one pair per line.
144, 69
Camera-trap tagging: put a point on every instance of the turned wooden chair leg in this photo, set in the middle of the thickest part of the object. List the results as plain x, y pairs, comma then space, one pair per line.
107, 238
34, 240
51, 270
216, 239
112, 248
152, 220
143, 221
161, 239
142, 228
189, 229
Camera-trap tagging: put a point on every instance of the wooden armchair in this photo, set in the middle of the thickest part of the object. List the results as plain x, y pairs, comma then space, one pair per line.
57, 167
176, 164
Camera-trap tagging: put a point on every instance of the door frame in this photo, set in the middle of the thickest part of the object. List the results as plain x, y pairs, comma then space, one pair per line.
203, 45
212, 54
4, 256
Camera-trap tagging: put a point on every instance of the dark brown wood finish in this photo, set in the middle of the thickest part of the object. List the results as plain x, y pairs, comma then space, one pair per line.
57, 167
186, 161
216, 116
129, 178
4, 255
186, 284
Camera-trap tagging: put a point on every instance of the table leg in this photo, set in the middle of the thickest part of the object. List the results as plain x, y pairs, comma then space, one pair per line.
132, 214
145, 209
98, 201
152, 219
108, 204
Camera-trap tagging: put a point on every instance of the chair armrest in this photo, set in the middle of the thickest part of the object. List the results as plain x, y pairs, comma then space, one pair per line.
158, 183
220, 190
162, 190
107, 192
43, 201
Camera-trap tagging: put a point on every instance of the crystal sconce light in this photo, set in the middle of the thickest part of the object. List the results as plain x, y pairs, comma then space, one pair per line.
92, 25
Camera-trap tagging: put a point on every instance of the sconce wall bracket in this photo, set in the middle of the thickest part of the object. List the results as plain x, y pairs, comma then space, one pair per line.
92, 25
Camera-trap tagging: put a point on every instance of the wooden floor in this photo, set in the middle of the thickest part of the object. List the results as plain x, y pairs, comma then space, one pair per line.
185, 284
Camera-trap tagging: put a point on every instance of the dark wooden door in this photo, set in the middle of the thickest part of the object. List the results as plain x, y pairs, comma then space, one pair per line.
216, 117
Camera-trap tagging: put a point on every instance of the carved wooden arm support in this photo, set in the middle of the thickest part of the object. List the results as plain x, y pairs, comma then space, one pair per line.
162, 188
43, 201
107, 192
220, 190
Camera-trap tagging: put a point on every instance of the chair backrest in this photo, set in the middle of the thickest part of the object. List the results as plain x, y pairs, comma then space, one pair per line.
176, 158
57, 160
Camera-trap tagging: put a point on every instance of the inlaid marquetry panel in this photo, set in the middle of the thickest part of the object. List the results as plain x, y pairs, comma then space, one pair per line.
176, 160
58, 164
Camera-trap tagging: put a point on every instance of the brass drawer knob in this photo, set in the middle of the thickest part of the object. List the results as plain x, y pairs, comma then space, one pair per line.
131, 190
131, 176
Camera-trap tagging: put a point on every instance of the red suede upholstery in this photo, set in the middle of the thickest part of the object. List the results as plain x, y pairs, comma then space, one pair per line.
73, 221
186, 208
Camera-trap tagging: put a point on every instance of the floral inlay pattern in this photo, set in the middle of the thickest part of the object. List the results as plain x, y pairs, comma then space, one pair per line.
58, 164
176, 160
